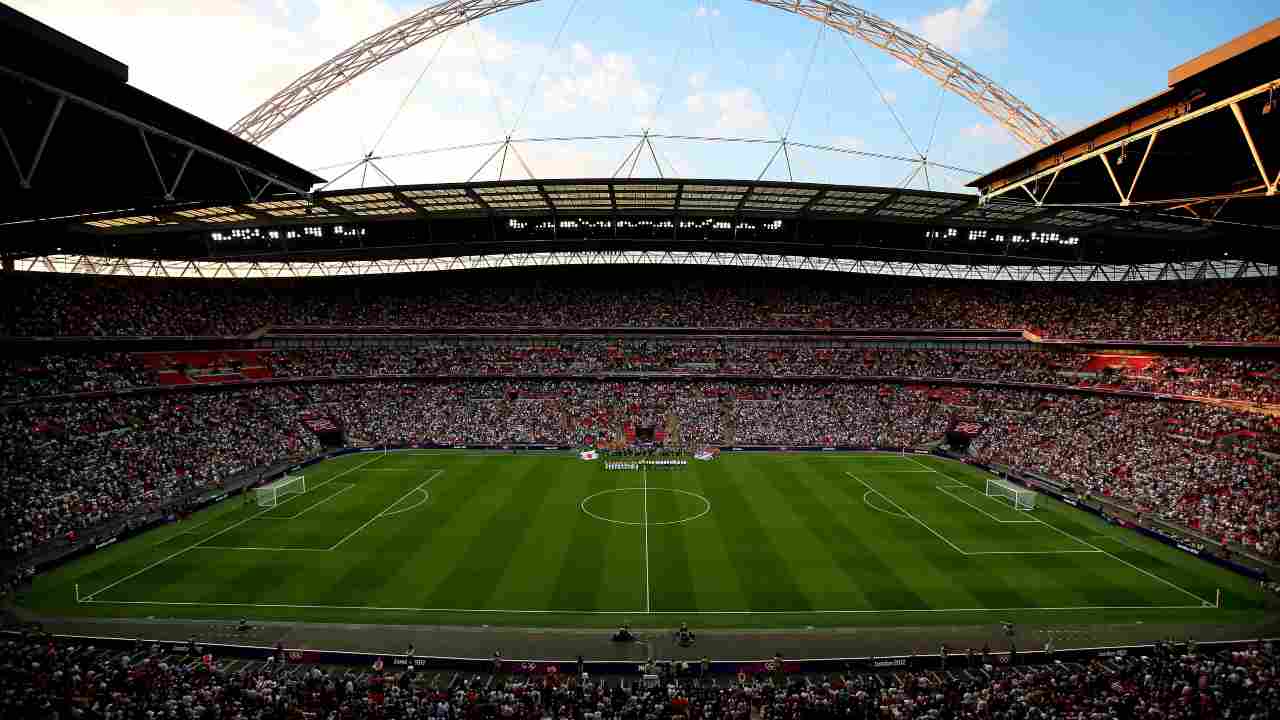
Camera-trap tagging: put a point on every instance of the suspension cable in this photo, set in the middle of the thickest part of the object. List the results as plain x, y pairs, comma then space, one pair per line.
352, 164
412, 89
942, 96
555, 45
484, 70
880, 93
715, 56
804, 82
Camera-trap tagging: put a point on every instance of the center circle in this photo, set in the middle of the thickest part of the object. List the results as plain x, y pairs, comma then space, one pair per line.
687, 509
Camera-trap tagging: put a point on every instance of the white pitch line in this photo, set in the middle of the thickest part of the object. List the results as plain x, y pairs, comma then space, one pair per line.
926, 467
984, 512
922, 523
1086, 543
1034, 552
310, 507
492, 611
644, 474
265, 549
867, 501
223, 531
425, 497
369, 522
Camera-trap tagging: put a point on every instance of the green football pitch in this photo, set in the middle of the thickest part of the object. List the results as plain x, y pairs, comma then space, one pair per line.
747, 540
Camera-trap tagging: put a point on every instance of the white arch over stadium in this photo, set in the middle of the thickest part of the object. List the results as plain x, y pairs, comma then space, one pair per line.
1014, 115
248, 270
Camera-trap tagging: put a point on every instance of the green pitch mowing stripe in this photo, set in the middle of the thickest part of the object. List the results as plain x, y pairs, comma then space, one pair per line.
746, 540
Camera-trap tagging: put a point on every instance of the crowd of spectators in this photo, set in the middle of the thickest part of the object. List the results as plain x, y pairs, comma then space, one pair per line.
71, 466
40, 678
1204, 466
1252, 379
1222, 310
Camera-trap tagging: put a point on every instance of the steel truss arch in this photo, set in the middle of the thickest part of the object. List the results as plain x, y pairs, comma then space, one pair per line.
1014, 115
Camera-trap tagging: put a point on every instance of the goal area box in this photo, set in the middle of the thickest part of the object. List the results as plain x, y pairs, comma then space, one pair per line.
271, 495
1016, 495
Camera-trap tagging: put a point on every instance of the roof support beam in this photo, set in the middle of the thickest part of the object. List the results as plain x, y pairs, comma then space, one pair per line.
24, 178
475, 197
1151, 140
990, 194
417, 209
817, 198
167, 188
891, 199
1253, 148
65, 96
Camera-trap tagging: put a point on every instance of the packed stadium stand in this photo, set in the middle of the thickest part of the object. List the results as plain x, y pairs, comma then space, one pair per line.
45, 678
510, 359
1151, 397
42, 305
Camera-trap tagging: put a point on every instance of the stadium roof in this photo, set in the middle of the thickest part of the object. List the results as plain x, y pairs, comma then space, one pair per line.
623, 197
1207, 146
77, 138
522, 223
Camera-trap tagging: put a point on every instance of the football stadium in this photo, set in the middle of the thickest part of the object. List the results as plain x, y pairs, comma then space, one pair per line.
521, 359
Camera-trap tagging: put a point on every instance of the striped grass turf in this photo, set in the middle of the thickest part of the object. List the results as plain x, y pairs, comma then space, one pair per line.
775, 540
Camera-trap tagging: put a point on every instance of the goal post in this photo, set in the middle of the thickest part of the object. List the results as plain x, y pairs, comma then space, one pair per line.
1017, 496
273, 494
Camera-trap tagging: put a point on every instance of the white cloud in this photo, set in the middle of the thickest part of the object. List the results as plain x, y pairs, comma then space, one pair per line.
884, 96
599, 81
704, 11
849, 142
962, 27
737, 112
988, 132
221, 58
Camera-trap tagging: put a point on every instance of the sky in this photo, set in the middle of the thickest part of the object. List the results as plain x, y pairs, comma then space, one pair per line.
723, 68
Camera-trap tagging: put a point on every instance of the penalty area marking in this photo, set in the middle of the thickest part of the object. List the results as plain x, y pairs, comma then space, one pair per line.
646, 490
866, 498
425, 497
957, 548
310, 507
229, 528
1091, 546
946, 489
386, 509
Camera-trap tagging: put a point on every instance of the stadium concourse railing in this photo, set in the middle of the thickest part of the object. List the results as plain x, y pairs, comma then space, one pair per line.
741, 669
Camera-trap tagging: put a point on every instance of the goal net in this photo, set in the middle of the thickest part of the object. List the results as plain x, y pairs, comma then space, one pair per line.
271, 495
1019, 497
